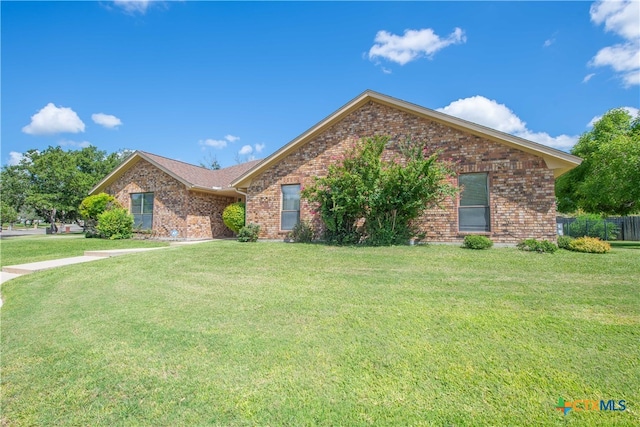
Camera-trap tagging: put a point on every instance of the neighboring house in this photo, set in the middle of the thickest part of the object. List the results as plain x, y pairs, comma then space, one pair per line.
166, 195
508, 182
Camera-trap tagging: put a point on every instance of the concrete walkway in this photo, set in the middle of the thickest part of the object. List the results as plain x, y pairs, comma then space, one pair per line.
32, 267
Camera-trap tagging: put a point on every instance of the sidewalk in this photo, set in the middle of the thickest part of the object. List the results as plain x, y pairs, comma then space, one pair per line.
32, 267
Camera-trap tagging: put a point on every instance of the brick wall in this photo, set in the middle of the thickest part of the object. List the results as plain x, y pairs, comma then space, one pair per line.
194, 215
522, 196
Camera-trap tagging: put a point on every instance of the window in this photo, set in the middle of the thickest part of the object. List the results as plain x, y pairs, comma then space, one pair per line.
142, 210
290, 214
473, 213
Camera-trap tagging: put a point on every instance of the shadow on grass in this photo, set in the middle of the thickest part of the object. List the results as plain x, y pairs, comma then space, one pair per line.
625, 245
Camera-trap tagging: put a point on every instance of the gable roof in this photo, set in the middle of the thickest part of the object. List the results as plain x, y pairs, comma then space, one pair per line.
559, 161
192, 176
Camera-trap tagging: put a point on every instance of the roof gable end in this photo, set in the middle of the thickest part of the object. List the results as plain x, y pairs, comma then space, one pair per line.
557, 160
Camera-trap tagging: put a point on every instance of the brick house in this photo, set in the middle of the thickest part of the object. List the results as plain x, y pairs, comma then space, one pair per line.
165, 195
508, 181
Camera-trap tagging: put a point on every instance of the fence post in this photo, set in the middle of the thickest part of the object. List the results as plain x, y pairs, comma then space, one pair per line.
606, 236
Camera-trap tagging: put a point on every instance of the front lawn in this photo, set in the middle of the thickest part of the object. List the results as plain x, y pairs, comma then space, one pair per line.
25, 249
225, 333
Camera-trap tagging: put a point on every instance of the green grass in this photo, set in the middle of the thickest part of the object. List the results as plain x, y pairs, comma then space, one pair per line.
227, 334
21, 250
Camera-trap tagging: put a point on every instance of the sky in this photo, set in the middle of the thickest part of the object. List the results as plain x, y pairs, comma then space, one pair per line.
197, 80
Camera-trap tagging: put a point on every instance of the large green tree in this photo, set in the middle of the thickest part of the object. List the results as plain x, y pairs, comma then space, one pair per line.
608, 180
53, 182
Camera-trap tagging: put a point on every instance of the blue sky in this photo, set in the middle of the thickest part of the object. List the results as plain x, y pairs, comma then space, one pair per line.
237, 80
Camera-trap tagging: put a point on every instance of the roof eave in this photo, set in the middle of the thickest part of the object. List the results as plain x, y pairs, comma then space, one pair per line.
132, 160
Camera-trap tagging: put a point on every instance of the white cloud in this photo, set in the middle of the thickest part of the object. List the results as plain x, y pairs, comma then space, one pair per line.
133, 6
70, 143
215, 143
488, 112
14, 158
246, 149
548, 42
218, 143
631, 110
106, 120
621, 18
623, 58
259, 147
588, 77
412, 45
52, 119
386, 70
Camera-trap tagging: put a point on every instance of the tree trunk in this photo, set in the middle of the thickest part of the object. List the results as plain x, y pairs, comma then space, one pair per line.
52, 221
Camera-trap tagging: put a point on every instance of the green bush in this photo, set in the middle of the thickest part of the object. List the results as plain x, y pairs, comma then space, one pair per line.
564, 241
233, 216
91, 207
591, 245
302, 233
593, 225
541, 246
249, 233
370, 199
115, 224
477, 242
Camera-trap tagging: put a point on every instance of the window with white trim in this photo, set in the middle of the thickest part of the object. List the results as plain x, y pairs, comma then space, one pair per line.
290, 214
142, 210
473, 212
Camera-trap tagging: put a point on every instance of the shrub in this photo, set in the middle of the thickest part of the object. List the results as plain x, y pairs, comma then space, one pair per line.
249, 233
541, 246
477, 242
233, 216
593, 225
302, 233
91, 207
369, 199
115, 224
591, 245
563, 241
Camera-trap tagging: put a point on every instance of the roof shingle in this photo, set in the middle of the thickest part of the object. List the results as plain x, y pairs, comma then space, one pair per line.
199, 176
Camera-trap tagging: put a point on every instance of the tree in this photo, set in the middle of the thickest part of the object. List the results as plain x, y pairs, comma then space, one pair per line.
14, 186
366, 199
211, 162
53, 182
607, 182
7, 213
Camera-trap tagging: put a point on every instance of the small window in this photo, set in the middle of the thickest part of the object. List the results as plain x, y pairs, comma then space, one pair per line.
142, 210
473, 212
290, 214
